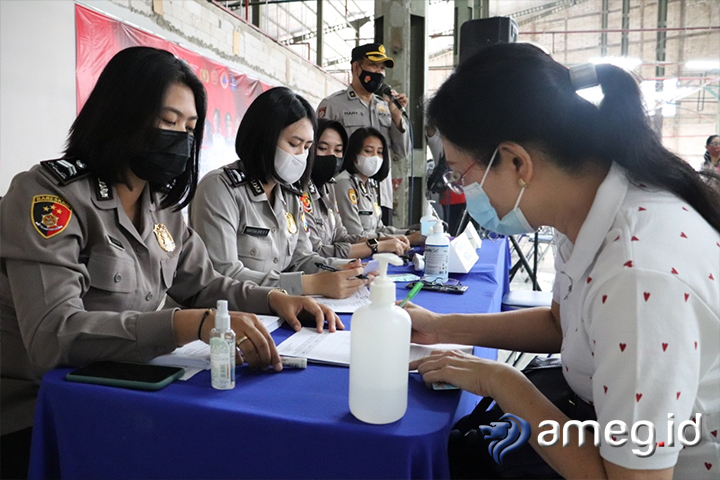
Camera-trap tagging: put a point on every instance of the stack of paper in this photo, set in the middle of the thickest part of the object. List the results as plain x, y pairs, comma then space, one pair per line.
334, 348
346, 305
196, 355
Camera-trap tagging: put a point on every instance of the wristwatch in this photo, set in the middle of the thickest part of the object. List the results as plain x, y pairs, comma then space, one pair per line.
373, 244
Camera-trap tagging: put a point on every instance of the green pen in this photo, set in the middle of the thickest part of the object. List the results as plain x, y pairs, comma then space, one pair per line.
412, 294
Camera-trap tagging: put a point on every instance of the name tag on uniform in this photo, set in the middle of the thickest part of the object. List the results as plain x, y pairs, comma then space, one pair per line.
365, 212
256, 231
115, 242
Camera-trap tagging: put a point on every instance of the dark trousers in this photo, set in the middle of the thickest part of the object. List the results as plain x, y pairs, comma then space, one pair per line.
387, 216
15, 454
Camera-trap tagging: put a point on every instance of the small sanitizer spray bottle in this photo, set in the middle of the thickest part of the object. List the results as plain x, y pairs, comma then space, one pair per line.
222, 350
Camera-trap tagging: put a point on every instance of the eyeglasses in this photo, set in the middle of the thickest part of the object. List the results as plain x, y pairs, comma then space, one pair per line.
453, 180
713, 144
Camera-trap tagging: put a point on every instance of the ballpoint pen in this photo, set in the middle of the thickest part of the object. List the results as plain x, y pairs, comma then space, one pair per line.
418, 286
330, 268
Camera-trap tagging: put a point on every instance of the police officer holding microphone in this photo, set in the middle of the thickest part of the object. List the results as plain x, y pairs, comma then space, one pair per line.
363, 105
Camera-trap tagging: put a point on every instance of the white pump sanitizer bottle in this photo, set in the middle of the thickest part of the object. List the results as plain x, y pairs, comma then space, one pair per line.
380, 352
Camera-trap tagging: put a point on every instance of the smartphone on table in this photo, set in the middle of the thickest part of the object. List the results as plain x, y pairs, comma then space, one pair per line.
127, 375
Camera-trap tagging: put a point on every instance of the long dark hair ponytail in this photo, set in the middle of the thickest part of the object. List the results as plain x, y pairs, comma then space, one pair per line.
518, 93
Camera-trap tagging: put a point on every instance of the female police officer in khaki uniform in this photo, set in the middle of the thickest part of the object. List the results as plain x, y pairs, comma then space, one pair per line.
366, 163
91, 243
327, 233
248, 213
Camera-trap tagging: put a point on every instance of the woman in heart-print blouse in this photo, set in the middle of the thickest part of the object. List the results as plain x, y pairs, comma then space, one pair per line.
636, 298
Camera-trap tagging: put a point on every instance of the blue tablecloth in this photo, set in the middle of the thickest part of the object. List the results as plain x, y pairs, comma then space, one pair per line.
294, 424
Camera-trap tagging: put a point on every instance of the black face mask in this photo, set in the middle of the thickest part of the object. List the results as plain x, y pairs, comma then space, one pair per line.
325, 167
166, 158
371, 81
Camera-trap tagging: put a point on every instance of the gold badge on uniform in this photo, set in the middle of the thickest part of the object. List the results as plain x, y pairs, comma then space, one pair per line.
306, 203
291, 225
378, 210
352, 196
163, 237
50, 214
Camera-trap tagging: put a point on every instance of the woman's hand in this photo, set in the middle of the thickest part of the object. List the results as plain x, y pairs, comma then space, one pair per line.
471, 373
255, 345
425, 325
393, 245
288, 307
340, 284
402, 239
416, 238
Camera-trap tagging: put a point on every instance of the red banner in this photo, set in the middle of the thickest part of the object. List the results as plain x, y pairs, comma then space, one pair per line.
229, 92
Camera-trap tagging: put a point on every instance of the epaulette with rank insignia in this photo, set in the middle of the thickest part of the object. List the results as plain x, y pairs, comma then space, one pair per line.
66, 170
235, 176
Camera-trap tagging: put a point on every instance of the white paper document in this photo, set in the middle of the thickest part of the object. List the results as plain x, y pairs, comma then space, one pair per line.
196, 355
346, 305
334, 348
371, 266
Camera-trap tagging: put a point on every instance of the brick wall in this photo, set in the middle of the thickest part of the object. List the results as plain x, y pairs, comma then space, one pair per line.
237, 43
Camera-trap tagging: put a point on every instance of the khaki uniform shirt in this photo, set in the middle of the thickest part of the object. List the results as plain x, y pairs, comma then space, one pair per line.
250, 237
359, 208
328, 235
346, 107
79, 283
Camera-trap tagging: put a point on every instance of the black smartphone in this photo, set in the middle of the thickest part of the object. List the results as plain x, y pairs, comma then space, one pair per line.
438, 287
127, 375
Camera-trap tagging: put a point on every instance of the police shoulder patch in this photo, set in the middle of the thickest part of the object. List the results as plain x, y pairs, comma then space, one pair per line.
321, 112
50, 214
306, 202
66, 170
352, 195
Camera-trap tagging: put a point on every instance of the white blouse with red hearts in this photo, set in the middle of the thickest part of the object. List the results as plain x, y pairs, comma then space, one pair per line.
639, 296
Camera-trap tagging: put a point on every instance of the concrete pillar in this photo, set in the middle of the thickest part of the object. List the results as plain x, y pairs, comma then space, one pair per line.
662, 14
463, 13
400, 25
320, 34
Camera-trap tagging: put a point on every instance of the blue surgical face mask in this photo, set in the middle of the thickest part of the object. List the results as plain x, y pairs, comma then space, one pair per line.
479, 208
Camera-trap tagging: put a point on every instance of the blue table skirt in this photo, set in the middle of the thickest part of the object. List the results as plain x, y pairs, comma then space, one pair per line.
293, 424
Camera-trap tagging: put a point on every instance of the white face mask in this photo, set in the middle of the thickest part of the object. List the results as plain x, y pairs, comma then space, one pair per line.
289, 167
368, 166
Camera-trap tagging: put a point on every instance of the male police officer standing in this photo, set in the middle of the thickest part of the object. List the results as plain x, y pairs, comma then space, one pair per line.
361, 105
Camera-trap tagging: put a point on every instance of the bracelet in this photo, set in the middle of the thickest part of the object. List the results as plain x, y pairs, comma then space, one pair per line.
202, 321
281, 290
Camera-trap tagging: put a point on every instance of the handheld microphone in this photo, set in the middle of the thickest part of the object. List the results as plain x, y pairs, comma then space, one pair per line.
386, 89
